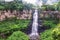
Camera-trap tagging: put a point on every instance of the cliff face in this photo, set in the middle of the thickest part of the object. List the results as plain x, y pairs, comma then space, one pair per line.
50, 14
25, 14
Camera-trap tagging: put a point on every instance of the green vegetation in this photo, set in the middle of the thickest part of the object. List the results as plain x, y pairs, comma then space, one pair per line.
15, 5
18, 35
47, 34
13, 24
50, 23
48, 7
2, 7
55, 7
56, 33
11, 28
1, 39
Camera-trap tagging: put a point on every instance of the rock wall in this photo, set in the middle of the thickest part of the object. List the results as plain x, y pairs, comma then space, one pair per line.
52, 14
25, 14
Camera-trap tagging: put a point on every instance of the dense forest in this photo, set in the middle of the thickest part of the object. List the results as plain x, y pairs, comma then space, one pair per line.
15, 5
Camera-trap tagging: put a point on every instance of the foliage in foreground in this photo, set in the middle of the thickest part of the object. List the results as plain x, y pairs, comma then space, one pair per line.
13, 24
47, 34
18, 35
1, 39
56, 33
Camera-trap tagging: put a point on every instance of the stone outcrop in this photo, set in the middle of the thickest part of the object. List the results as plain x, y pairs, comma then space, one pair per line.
52, 14
25, 14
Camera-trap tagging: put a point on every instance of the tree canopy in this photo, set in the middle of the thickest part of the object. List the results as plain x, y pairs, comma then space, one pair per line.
15, 5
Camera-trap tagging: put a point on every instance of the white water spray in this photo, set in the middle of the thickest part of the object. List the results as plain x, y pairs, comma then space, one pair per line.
35, 24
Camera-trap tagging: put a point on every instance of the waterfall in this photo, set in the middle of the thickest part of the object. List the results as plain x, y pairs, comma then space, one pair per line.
35, 23
34, 32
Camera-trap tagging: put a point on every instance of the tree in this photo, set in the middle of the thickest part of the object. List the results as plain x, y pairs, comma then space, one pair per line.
2, 6
14, 6
58, 5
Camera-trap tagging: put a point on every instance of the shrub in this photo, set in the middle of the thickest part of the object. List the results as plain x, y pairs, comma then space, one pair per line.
56, 33
49, 23
18, 36
2, 7
46, 35
1, 39
13, 24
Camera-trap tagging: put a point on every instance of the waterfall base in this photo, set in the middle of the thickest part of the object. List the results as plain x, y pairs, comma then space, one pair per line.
34, 36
